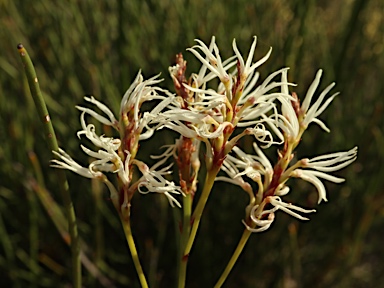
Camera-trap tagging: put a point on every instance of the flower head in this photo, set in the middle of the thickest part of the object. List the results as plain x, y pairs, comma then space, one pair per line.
211, 114
272, 182
295, 119
320, 165
118, 155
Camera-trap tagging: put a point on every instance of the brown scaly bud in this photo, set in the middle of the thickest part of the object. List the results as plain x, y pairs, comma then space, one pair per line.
178, 76
237, 88
184, 162
296, 104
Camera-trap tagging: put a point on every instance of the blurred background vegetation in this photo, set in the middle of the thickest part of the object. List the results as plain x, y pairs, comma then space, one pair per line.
96, 48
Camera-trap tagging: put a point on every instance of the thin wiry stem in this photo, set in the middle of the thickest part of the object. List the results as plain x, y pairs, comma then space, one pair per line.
132, 247
235, 256
186, 229
196, 216
42, 110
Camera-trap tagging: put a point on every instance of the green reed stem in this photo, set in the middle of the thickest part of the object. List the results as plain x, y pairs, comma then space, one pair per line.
132, 247
235, 256
52, 142
198, 212
186, 230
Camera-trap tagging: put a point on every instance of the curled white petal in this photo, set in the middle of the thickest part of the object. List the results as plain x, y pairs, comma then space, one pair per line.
212, 61
289, 207
248, 68
332, 162
262, 224
106, 143
153, 181
111, 121
312, 177
311, 113
70, 164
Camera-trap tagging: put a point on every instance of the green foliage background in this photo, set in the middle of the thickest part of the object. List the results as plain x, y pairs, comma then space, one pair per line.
96, 47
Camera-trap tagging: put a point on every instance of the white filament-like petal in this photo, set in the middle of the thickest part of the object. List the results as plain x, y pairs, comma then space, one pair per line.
288, 207
311, 113
247, 69
313, 177
332, 162
153, 181
97, 116
263, 225
212, 60
311, 91
100, 141
70, 164
112, 120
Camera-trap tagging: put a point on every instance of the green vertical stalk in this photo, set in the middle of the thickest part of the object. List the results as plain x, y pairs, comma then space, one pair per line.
186, 230
235, 256
198, 212
132, 247
52, 143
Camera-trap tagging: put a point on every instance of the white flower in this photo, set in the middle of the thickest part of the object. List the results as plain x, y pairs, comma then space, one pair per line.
201, 79
192, 123
235, 178
256, 167
249, 68
213, 114
292, 121
288, 208
321, 164
111, 156
262, 225
212, 61
251, 165
106, 160
331, 162
139, 92
257, 214
288, 120
107, 143
110, 122
316, 109
70, 164
153, 181
93, 171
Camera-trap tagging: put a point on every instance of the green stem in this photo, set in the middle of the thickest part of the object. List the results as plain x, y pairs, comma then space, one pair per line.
186, 229
52, 142
132, 247
196, 216
235, 256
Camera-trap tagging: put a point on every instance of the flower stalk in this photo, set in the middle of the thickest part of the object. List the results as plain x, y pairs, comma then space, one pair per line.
239, 248
132, 248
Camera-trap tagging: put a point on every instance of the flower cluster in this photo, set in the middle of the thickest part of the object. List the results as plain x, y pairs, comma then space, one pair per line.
210, 114
289, 126
207, 108
118, 155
